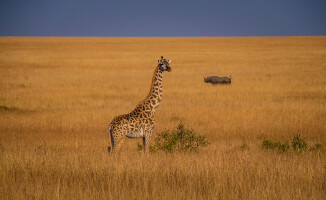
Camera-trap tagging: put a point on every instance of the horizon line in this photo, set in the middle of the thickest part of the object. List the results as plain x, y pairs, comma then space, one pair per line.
168, 36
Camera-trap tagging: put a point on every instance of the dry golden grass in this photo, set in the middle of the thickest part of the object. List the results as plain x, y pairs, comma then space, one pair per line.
58, 95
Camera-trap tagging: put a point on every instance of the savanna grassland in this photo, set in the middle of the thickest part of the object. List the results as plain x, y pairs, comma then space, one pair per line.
58, 95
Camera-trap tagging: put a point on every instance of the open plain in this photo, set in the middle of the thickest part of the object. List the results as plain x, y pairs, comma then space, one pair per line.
58, 95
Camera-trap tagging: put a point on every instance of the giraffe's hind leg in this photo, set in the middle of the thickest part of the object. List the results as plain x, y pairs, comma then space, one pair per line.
117, 137
110, 149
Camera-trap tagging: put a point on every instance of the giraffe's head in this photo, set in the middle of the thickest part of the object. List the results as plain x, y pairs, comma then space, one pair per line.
164, 65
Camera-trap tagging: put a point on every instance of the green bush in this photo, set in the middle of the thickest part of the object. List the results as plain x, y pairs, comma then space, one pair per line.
318, 148
281, 147
180, 139
299, 144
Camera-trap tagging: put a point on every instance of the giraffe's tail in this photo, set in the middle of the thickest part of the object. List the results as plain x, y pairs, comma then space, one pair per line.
110, 148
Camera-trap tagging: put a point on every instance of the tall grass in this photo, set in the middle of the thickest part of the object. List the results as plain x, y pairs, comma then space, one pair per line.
58, 95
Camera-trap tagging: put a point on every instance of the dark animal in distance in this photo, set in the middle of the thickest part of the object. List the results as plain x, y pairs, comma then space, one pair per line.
217, 80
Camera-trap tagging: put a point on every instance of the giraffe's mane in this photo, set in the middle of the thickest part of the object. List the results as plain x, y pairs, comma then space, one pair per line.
152, 85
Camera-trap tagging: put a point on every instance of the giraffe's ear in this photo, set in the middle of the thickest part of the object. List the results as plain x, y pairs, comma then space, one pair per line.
169, 61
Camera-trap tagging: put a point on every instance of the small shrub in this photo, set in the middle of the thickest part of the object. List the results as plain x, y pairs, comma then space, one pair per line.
281, 147
139, 147
7, 109
299, 144
284, 147
180, 139
317, 148
267, 144
244, 146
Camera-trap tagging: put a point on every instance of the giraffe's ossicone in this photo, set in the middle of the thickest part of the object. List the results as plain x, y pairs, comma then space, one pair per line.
140, 122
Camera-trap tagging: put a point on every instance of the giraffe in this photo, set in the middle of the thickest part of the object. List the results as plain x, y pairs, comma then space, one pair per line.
140, 122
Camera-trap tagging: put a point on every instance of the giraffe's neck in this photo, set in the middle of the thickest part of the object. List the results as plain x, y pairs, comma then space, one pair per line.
155, 94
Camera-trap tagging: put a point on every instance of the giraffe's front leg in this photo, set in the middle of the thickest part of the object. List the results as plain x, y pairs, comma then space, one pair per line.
144, 143
148, 135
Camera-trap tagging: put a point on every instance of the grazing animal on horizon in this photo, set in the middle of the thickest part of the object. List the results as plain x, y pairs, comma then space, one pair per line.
218, 80
140, 122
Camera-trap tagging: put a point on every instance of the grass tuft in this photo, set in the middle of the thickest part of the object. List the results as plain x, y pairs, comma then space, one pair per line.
279, 146
298, 145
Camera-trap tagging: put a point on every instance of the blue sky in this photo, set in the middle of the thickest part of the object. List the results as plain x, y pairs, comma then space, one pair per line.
144, 18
